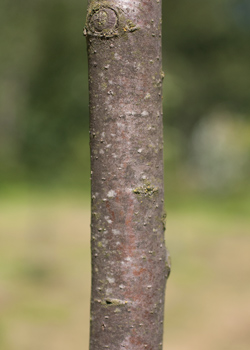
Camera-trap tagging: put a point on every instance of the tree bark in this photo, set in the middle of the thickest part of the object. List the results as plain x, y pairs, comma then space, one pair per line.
129, 259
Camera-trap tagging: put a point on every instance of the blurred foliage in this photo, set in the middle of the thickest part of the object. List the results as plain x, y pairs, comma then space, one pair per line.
207, 56
44, 90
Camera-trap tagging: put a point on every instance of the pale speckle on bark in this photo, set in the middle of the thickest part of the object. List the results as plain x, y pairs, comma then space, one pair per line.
129, 258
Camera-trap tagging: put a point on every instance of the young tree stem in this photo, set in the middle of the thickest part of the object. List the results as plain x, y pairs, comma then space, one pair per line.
129, 259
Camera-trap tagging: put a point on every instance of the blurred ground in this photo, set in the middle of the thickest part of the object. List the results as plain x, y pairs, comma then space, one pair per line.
45, 273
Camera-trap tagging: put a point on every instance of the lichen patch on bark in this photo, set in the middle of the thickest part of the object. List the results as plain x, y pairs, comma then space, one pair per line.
105, 19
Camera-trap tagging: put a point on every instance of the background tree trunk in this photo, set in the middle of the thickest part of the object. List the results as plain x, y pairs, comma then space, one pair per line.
129, 259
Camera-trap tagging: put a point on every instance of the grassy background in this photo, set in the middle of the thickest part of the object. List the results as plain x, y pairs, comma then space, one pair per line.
45, 272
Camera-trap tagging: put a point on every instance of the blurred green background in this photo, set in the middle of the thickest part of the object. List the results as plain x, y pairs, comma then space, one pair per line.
45, 186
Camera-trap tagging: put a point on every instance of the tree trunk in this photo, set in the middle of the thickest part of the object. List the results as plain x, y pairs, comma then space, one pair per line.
129, 259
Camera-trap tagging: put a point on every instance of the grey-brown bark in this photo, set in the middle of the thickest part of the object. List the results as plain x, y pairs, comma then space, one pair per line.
129, 258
